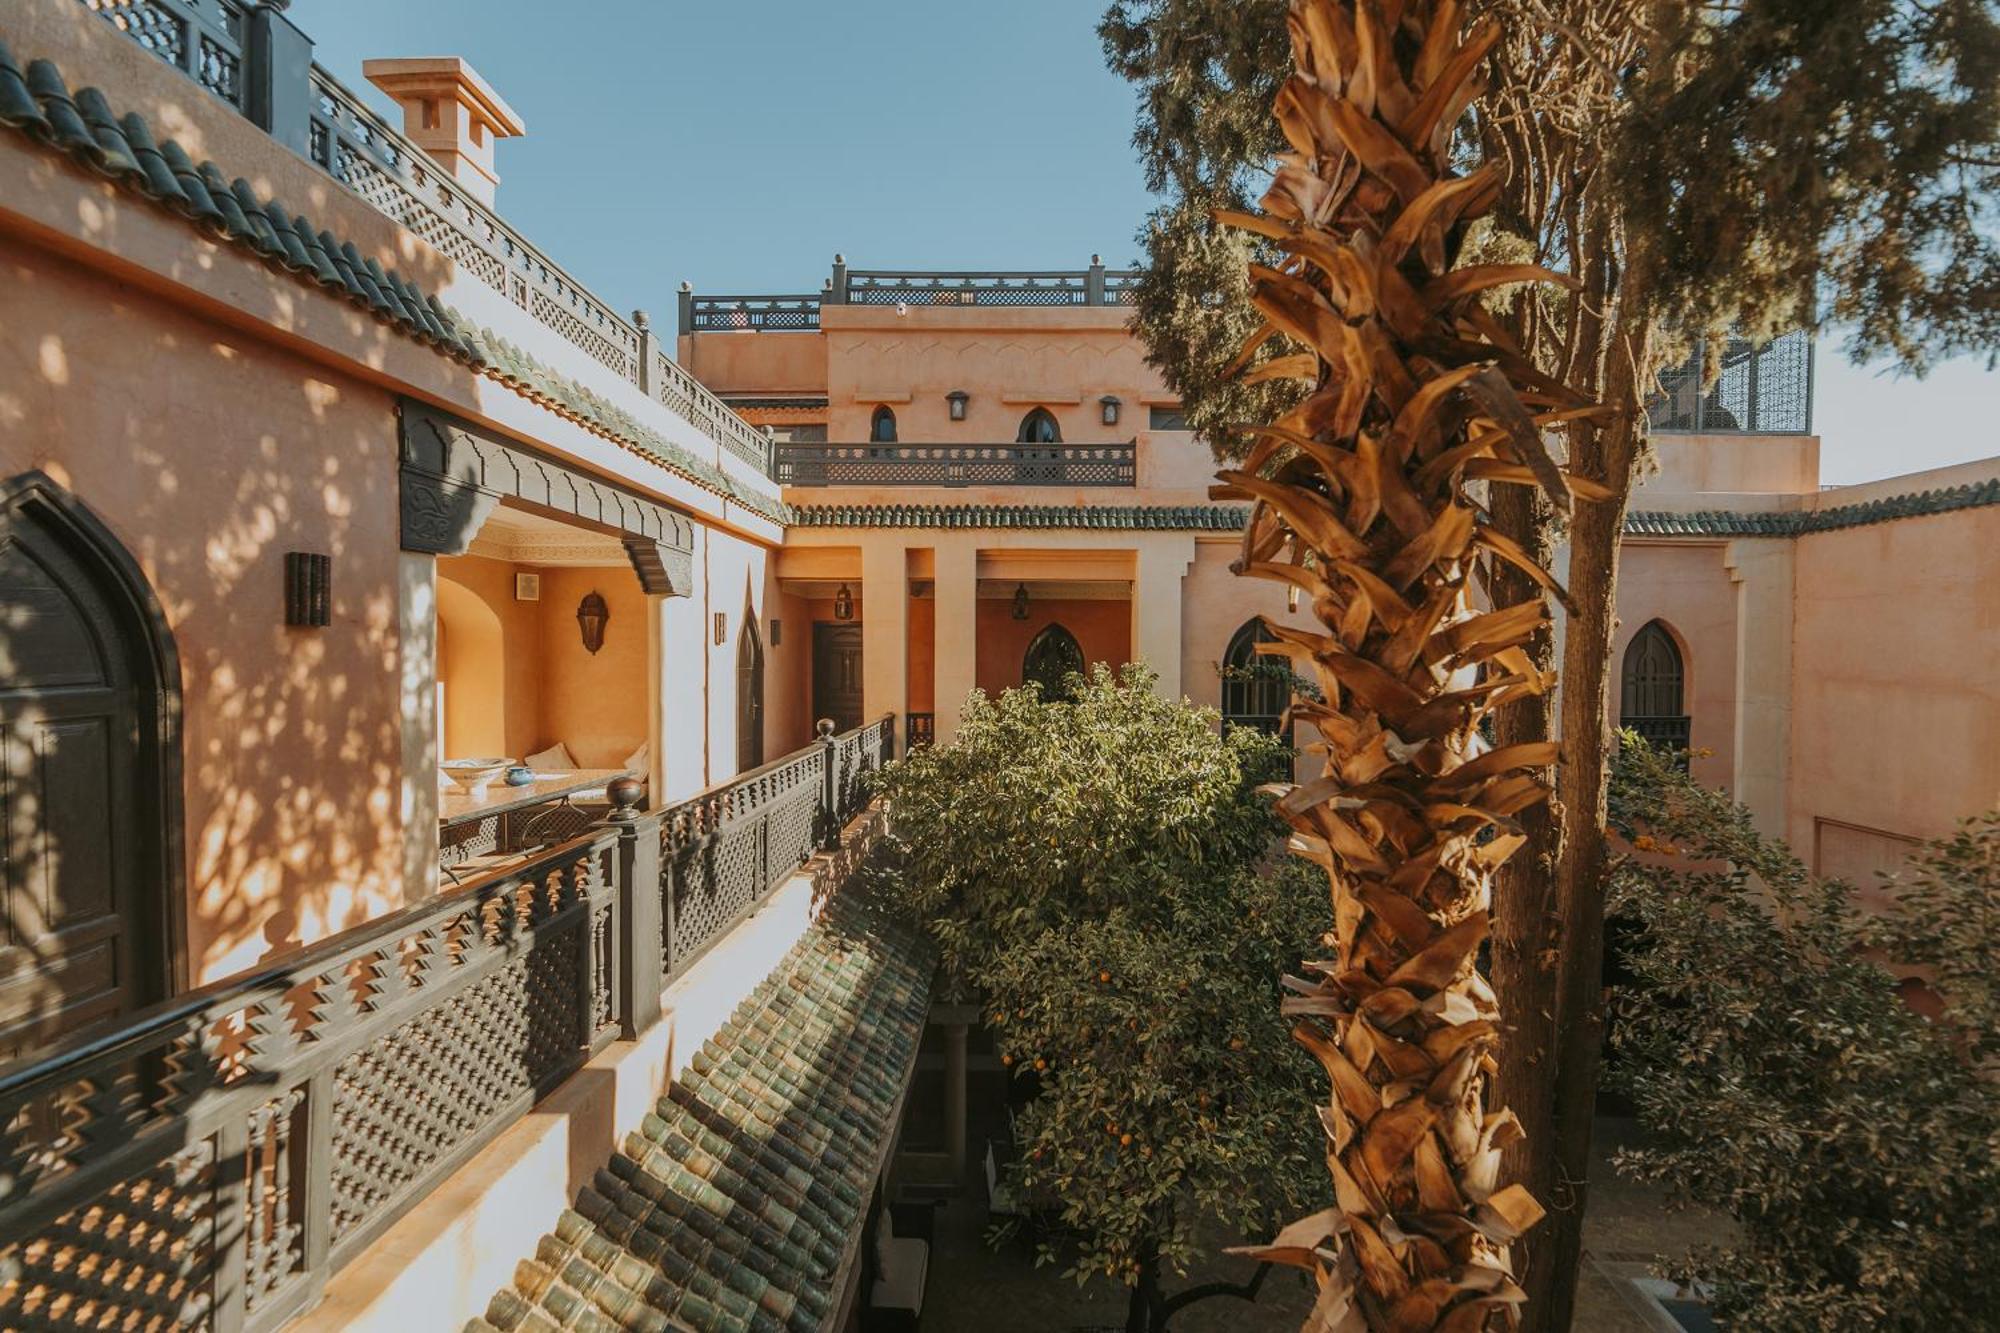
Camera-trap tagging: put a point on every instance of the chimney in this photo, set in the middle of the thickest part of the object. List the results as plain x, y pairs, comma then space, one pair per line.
451, 113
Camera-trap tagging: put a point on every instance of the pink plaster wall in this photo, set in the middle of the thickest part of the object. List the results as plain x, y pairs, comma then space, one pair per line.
1895, 705
593, 703
1688, 587
210, 455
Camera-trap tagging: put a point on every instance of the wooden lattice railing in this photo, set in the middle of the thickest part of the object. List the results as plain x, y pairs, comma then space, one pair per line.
210, 1162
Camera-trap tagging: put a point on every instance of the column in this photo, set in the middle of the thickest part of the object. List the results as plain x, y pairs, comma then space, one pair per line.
885, 628
677, 689
1762, 571
1159, 567
417, 799
954, 1098
956, 648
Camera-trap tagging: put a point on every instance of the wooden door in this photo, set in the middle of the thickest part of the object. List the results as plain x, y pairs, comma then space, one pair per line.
82, 875
837, 674
749, 696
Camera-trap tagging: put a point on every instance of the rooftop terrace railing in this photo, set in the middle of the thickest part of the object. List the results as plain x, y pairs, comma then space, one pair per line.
212, 1161
956, 464
249, 55
1093, 286
1765, 390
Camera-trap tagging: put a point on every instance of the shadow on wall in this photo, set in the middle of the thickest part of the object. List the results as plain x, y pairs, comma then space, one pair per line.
208, 455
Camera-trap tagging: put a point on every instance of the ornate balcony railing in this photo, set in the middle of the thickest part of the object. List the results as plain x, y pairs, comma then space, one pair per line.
1093, 286
212, 1161
724, 314
210, 41
1765, 390
956, 464
204, 39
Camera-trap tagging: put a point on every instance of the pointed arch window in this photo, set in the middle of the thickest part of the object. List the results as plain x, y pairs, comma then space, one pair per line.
1653, 689
882, 427
1039, 427
1053, 657
1255, 692
749, 695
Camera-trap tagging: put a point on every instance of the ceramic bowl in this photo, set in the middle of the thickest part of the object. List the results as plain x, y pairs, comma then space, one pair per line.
472, 775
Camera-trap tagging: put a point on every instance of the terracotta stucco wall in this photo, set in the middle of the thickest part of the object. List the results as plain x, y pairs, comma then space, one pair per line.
1896, 709
1688, 588
489, 660
1103, 629
210, 455
594, 704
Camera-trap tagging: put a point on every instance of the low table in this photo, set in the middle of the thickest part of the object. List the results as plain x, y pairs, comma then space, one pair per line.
481, 830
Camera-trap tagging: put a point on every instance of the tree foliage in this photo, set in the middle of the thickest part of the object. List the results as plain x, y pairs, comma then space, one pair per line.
1783, 1080
1096, 873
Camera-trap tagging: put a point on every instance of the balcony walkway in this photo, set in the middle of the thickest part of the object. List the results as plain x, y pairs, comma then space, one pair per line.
741, 1202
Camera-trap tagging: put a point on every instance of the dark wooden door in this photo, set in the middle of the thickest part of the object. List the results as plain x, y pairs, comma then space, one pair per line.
81, 920
837, 674
749, 697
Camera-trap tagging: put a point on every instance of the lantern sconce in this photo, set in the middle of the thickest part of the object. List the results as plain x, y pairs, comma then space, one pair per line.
721, 628
843, 604
308, 589
592, 615
957, 398
1021, 601
1110, 403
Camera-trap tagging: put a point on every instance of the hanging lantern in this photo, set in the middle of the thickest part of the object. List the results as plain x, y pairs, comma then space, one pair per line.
1021, 601
592, 615
843, 604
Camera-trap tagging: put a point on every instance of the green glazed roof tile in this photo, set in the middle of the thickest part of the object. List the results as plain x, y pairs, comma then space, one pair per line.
1180, 518
1798, 523
737, 1204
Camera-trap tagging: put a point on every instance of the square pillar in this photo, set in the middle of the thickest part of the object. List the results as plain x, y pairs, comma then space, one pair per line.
416, 613
1763, 574
955, 641
677, 691
1159, 567
885, 629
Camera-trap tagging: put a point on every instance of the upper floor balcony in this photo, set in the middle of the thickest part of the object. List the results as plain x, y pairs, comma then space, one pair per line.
910, 288
956, 465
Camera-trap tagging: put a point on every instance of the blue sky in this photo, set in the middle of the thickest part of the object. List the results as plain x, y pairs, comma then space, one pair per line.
739, 146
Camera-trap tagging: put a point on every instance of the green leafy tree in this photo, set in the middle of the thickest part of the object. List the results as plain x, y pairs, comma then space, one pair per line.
1754, 166
1855, 1140
1100, 876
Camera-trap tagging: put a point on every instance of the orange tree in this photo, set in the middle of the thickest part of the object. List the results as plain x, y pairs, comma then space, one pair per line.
1099, 875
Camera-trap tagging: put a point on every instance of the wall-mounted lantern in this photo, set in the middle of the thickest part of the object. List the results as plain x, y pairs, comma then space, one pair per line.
843, 604
721, 628
308, 589
1109, 402
592, 615
1020, 601
957, 398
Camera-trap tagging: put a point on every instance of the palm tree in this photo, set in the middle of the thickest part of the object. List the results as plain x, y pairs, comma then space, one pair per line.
1367, 498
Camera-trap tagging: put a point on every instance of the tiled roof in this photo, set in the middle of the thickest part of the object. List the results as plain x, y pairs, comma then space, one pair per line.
740, 1203
1719, 523
39, 104
1179, 518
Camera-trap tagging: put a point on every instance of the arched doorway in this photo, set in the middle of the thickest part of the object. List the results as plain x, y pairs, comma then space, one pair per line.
1053, 656
90, 883
1652, 689
749, 695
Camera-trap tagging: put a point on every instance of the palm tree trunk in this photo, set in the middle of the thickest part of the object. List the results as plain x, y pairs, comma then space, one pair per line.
1370, 498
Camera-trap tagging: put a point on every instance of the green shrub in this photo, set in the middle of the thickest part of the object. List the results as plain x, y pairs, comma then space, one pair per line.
1101, 876
1784, 1080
